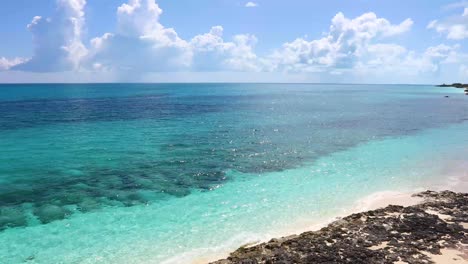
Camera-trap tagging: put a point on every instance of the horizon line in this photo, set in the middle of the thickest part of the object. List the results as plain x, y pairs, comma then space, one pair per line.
314, 83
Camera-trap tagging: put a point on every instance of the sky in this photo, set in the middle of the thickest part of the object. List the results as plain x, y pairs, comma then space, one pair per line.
333, 41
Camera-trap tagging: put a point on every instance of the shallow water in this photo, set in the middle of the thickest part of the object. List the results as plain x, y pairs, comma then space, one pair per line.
144, 173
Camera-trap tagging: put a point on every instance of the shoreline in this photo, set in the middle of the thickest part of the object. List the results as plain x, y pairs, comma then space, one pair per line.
371, 202
374, 201
438, 206
453, 175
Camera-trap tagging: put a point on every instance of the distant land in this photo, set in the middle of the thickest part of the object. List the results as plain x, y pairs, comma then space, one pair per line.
456, 85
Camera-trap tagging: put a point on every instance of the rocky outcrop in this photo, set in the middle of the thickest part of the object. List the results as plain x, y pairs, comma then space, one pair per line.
394, 234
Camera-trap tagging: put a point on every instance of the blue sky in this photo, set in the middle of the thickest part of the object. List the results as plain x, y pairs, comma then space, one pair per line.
359, 41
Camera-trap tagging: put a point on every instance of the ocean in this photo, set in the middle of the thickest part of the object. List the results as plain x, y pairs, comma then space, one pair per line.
184, 173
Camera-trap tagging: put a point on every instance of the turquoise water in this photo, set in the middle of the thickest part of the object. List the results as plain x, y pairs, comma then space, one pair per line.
154, 173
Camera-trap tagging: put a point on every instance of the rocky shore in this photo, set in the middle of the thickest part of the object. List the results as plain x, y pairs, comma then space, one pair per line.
434, 231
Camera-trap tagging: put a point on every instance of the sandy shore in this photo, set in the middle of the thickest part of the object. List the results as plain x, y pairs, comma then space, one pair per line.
370, 202
457, 181
430, 227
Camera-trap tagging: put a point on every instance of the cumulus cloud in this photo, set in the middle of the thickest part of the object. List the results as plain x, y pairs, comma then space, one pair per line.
346, 41
444, 53
155, 47
57, 40
395, 59
384, 55
141, 43
455, 27
362, 48
211, 52
251, 4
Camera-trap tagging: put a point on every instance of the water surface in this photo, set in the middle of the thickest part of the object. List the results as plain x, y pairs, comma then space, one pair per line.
145, 173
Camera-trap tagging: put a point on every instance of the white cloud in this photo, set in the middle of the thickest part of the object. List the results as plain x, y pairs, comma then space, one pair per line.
361, 49
352, 48
382, 55
211, 52
251, 4
455, 27
141, 42
157, 48
432, 24
346, 41
444, 53
395, 59
6, 64
368, 26
57, 40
